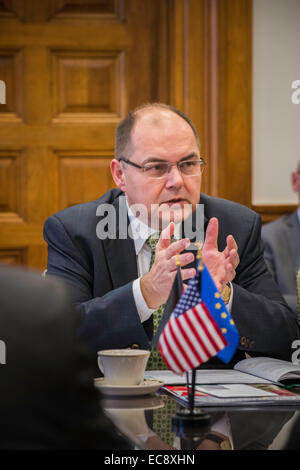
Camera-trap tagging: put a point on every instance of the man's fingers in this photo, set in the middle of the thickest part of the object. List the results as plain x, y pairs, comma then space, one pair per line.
234, 258
229, 270
211, 237
165, 236
230, 247
188, 273
231, 243
177, 247
184, 259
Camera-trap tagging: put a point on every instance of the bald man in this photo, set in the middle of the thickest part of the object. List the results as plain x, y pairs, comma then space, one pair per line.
102, 248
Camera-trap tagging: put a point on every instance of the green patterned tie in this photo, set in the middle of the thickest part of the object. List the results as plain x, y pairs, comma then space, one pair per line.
155, 361
162, 418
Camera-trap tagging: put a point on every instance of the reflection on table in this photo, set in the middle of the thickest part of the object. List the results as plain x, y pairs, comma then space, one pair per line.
157, 422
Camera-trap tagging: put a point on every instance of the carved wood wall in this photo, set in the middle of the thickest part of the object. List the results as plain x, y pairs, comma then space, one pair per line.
73, 68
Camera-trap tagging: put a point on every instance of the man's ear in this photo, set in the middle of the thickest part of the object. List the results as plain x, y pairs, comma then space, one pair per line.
295, 180
118, 174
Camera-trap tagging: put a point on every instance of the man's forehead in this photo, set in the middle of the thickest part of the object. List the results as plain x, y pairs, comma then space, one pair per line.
159, 120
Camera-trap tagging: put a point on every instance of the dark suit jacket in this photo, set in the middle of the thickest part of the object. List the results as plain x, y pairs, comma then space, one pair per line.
47, 398
101, 273
282, 253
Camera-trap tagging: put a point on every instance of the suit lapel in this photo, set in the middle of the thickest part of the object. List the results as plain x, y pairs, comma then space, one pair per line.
120, 252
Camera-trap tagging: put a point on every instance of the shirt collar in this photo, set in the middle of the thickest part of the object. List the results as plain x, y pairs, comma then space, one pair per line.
141, 232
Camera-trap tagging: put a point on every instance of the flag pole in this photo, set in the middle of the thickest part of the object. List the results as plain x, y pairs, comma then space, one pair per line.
188, 422
190, 391
200, 269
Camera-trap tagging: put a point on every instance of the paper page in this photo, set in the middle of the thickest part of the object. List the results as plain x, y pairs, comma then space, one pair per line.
206, 376
206, 395
269, 368
234, 391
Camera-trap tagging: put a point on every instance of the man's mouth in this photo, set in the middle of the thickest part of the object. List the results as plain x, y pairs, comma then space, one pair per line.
176, 201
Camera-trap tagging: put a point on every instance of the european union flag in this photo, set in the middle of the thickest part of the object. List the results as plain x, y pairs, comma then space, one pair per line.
215, 304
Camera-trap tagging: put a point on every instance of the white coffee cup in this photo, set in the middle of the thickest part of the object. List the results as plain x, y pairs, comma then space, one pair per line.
123, 366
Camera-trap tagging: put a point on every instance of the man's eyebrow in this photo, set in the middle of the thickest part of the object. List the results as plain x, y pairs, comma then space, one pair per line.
155, 159
190, 156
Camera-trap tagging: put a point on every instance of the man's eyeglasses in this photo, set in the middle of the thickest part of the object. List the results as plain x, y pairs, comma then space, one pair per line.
158, 170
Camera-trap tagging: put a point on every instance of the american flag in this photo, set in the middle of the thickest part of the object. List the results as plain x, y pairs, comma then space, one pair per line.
191, 336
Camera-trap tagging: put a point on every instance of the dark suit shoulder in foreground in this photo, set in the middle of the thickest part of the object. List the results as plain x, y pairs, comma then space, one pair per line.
47, 397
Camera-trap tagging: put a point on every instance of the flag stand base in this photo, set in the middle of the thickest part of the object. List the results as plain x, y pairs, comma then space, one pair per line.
188, 424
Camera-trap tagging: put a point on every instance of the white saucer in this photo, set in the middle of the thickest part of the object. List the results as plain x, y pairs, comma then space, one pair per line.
148, 386
143, 402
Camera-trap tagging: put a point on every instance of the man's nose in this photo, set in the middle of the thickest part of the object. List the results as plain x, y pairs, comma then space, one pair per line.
174, 177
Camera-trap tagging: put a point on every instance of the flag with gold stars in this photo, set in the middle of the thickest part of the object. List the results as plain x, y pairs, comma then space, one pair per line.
192, 334
215, 304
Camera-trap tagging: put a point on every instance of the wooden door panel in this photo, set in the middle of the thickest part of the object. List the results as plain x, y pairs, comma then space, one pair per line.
33, 11
73, 69
81, 175
11, 72
13, 256
87, 85
12, 186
